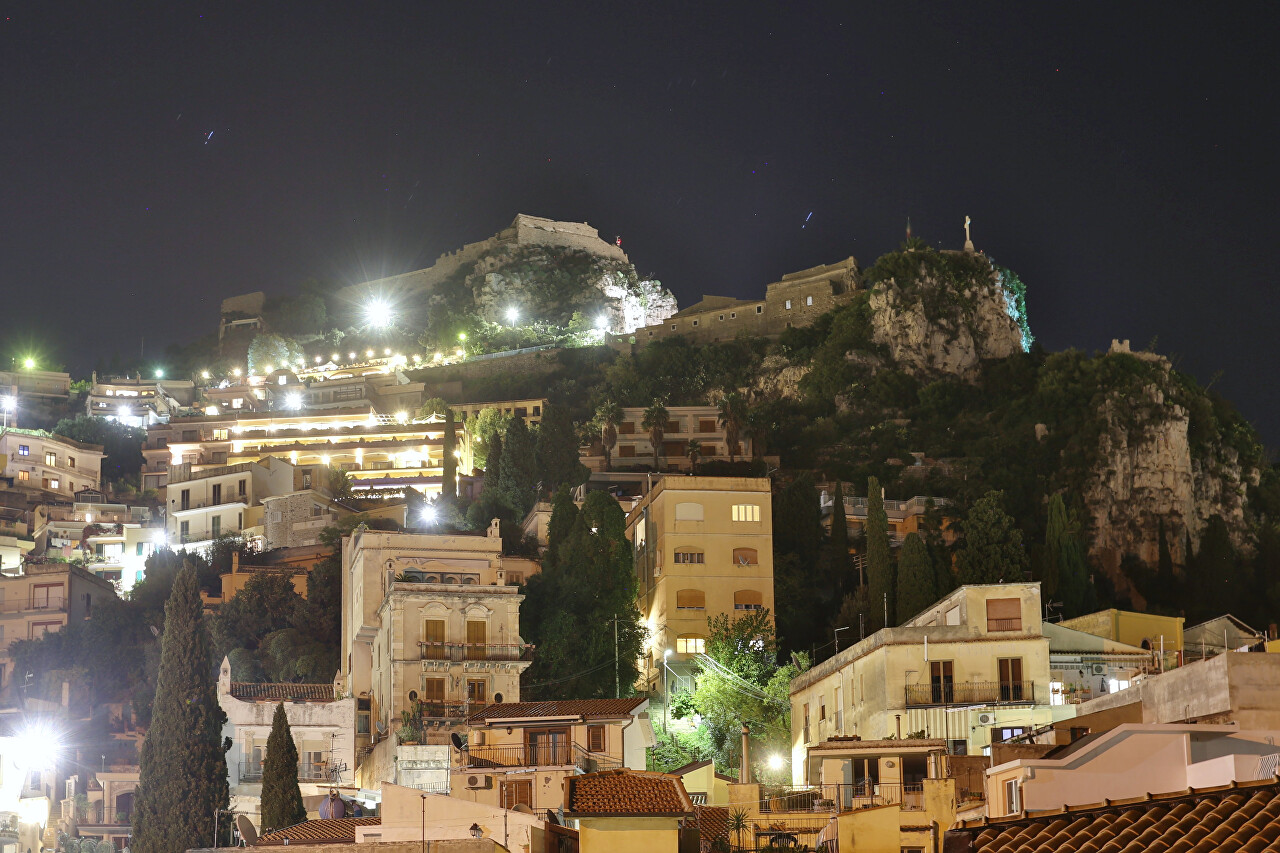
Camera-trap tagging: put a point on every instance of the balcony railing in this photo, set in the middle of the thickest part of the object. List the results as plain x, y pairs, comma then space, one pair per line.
971, 693
841, 797
251, 771
457, 652
539, 755
46, 605
1014, 624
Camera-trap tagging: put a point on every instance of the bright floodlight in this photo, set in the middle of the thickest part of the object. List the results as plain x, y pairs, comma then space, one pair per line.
204, 374
335, 358
29, 363
387, 351
318, 359
429, 515
270, 368
402, 417
37, 746
293, 401
236, 372
159, 373
602, 322
462, 336
775, 762
351, 356
159, 538
9, 403
124, 411
513, 314
378, 314
368, 353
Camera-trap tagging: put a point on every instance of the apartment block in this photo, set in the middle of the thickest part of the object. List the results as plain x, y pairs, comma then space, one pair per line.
36, 461
138, 402
972, 669
321, 722
44, 598
430, 635
684, 424
703, 547
224, 501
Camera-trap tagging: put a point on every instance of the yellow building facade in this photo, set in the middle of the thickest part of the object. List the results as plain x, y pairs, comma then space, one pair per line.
1148, 631
971, 669
703, 547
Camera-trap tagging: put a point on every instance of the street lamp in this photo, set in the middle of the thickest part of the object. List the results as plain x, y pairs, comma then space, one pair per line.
775, 762
513, 314
378, 314
8, 403
159, 373
29, 363
429, 515
293, 401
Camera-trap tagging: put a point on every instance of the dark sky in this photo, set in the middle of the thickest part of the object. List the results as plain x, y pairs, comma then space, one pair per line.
1119, 156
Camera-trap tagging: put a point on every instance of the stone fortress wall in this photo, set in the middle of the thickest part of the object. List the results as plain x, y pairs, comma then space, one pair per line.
524, 230
797, 299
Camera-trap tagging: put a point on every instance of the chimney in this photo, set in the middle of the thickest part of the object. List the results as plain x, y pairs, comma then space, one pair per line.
744, 775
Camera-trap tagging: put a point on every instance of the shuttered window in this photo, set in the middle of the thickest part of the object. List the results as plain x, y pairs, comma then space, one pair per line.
745, 557
433, 636
433, 690
691, 599
595, 738
1004, 614
748, 599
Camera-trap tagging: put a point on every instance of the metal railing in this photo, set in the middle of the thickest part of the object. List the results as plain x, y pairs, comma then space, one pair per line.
559, 754
908, 795
457, 652
970, 693
49, 605
251, 771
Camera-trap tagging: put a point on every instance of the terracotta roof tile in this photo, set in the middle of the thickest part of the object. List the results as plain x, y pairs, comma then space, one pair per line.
597, 708
251, 692
1238, 817
626, 792
713, 825
325, 831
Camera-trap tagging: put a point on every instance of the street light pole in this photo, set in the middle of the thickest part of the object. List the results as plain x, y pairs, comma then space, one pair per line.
666, 695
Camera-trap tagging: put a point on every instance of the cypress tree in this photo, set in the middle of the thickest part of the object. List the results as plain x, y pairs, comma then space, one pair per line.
556, 450
1055, 533
281, 797
992, 551
564, 512
916, 589
183, 776
880, 580
838, 562
517, 476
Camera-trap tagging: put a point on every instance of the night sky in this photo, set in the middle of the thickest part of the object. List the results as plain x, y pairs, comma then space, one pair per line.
1120, 157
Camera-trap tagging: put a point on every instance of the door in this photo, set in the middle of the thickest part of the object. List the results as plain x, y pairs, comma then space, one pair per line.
1011, 687
477, 636
433, 637
547, 746
942, 682
217, 494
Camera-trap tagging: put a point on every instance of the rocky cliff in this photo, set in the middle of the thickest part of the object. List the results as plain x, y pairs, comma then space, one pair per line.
942, 312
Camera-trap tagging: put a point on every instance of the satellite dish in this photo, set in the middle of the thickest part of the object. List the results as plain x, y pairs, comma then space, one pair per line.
245, 827
522, 808
458, 743
382, 727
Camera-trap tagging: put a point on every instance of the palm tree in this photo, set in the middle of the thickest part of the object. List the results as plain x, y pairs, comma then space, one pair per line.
655, 421
693, 451
756, 427
737, 823
609, 415
733, 414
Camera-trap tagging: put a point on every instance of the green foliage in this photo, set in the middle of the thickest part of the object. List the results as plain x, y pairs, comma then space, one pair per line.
1214, 578
449, 474
183, 775
917, 587
274, 351
556, 450
881, 583
481, 429
570, 606
797, 548
298, 314
608, 416
267, 603
517, 473
992, 551
1015, 294
655, 423
281, 797
681, 372
122, 444
733, 417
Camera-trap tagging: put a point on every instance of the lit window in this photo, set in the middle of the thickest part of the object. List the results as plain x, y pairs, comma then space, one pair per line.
55, 483
24, 476
23, 450
50, 458
691, 644
237, 403
808, 300
746, 512
788, 304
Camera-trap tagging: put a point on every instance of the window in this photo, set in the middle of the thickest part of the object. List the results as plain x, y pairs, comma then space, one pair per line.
237, 403
626, 451
759, 309
748, 599
808, 300
822, 708
688, 512
788, 304
673, 426
138, 553
433, 636
433, 691
241, 488
695, 322
39, 629
71, 462
627, 428
306, 479
219, 435
673, 327
184, 531
942, 682
24, 476
806, 722
55, 484
745, 557
952, 617
517, 793
733, 315
23, 450
722, 318
706, 425
477, 691
362, 716
1004, 614
1011, 797
689, 556
185, 501
691, 644
215, 527
746, 512
595, 738
1011, 683
691, 599
217, 493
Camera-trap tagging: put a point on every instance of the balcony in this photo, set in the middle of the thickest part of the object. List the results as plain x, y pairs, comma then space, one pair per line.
504, 756
44, 605
971, 693
459, 652
251, 771
785, 799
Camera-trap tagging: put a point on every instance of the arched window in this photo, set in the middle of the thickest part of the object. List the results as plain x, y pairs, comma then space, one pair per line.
690, 555
745, 557
691, 644
691, 599
688, 512
748, 599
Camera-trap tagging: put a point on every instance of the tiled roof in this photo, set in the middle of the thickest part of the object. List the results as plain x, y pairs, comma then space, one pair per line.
598, 708
626, 792
281, 692
326, 831
1243, 817
713, 824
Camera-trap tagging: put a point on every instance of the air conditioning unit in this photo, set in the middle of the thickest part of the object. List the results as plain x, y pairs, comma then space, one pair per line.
479, 782
986, 719
1099, 669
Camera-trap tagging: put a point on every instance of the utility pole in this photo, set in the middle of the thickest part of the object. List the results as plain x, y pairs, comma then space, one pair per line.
617, 686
